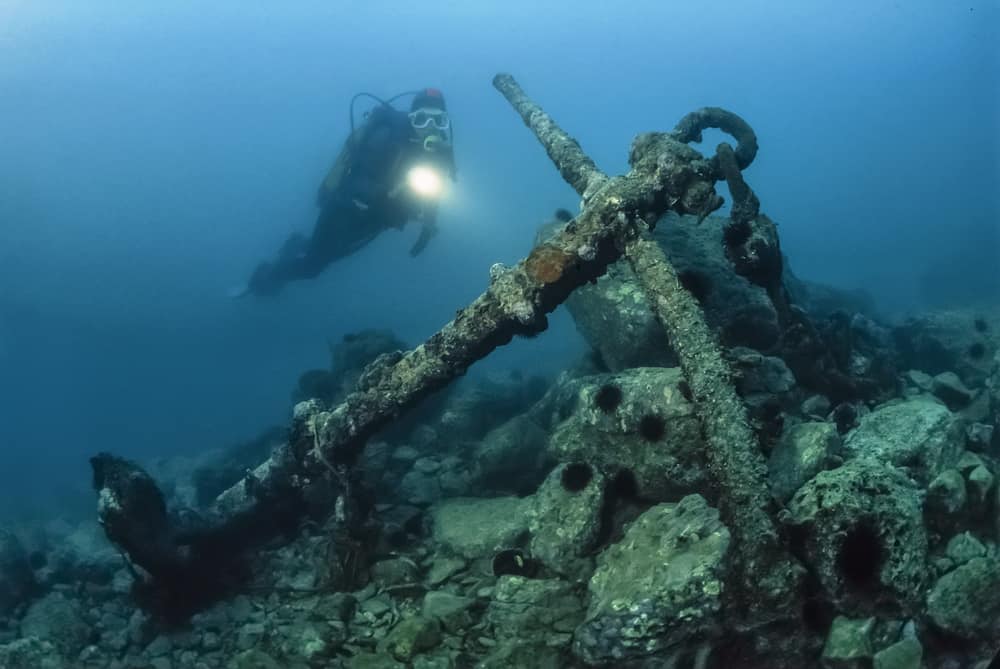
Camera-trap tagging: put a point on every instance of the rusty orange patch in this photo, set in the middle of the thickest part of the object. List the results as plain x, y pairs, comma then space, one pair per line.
547, 263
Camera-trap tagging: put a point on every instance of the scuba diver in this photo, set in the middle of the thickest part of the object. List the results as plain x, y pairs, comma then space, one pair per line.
390, 170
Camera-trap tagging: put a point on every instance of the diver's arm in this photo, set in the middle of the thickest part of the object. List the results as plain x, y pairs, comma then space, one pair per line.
428, 229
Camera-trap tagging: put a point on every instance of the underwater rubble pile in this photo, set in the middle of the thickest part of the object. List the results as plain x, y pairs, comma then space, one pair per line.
592, 520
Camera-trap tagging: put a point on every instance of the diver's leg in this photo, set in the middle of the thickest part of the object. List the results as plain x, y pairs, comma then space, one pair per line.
337, 236
339, 232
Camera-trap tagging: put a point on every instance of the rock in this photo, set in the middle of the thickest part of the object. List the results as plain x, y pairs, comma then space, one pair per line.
452, 610
433, 662
83, 553
816, 406
660, 586
946, 494
473, 528
406, 454
862, 532
960, 341
739, 311
59, 620
513, 653
412, 636
216, 471
254, 659
394, 571
565, 516
16, 578
614, 316
240, 609
963, 547
31, 653
526, 610
477, 405
949, 389
801, 453
918, 433
615, 319
966, 601
373, 661
510, 457
637, 424
919, 381
905, 654
159, 646
350, 356
249, 635
309, 641
443, 568
979, 484
375, 607
426, 465
978, 437
759, 378
419, 488
338, 606
849, 644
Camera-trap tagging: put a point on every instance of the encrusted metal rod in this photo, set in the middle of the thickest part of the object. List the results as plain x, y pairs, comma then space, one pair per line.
734, 456
573, 164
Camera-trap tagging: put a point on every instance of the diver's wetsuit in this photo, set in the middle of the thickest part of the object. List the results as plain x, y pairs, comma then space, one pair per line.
354, 211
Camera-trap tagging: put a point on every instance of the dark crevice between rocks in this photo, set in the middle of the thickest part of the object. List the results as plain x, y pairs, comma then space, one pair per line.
977, 351
622, 505
817, 610
845, 417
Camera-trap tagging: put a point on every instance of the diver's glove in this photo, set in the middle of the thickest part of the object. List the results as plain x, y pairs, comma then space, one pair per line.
427, 232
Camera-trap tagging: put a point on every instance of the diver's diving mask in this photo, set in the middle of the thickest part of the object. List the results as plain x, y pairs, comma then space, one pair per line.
423, 118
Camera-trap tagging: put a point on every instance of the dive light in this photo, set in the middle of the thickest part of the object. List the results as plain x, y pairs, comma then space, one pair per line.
425, 181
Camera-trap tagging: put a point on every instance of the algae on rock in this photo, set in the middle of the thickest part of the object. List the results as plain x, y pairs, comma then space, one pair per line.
660, 586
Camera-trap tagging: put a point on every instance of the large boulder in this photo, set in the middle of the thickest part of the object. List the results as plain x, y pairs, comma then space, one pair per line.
803, 451
740, 311
920, 434
473, 527
525, 609
479, 404
638, 424
966, 602
511, 457
657, 589
565, 516
963, 341
861, 529
614, 316
60, 620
